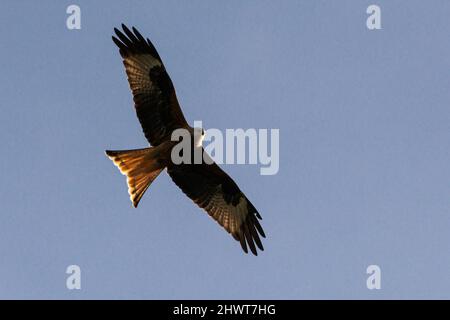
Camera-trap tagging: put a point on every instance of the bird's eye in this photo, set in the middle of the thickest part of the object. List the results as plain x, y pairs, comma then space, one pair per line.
203, 132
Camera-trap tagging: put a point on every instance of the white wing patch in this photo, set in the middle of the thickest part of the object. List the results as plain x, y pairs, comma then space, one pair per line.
138, 69
228, 216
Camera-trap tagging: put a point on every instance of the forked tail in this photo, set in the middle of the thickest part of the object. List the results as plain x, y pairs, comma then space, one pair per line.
141, 167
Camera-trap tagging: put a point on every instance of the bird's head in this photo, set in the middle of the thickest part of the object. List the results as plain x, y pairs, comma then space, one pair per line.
199, 135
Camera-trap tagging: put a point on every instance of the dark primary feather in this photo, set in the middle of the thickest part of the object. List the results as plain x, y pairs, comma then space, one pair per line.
154, 95
214, 191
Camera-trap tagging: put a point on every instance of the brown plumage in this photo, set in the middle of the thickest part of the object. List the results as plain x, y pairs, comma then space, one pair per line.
160, 114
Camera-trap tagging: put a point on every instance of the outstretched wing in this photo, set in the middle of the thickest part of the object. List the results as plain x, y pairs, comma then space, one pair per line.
214, 191
154, 95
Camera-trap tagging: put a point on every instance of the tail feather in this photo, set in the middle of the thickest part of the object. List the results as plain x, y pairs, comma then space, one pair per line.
141, 167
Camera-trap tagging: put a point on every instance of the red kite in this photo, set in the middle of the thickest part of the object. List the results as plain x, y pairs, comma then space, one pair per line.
159, 113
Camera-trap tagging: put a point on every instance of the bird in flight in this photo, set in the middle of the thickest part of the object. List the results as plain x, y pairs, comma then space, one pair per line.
160, 114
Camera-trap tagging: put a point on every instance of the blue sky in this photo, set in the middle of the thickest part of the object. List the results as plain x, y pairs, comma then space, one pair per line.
364, 175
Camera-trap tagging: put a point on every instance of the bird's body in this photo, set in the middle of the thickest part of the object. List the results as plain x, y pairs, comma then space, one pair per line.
160, 115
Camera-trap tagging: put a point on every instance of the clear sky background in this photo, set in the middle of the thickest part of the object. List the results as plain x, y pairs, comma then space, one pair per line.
364, 119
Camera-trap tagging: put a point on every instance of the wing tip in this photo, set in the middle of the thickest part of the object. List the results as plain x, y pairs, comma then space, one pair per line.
133, 42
